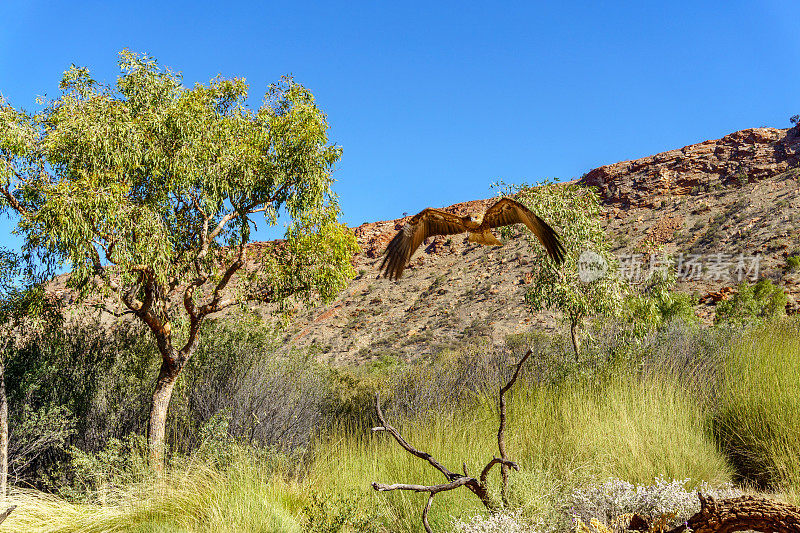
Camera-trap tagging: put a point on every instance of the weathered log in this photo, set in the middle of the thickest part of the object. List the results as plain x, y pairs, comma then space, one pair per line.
745, 513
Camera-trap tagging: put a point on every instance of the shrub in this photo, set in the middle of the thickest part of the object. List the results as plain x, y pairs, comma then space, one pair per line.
72, 384
656, 302
752, 304
793, 263
504, 522
268, 398
325, 514
667, 501
120, 463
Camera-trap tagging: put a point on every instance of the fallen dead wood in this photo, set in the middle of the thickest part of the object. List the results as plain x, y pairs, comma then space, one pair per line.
745, 513
479, 486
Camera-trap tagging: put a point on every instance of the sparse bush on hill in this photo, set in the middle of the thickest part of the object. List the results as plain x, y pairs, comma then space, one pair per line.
574, 212
793, 263
655, 302
762, 301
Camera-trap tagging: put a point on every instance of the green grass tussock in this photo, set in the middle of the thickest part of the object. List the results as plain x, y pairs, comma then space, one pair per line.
759, 408
201, 499
584, 429
619, 425
707, 410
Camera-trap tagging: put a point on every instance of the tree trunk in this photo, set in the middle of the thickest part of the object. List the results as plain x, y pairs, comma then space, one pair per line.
501, 446
573, 331
3, 434
156, 431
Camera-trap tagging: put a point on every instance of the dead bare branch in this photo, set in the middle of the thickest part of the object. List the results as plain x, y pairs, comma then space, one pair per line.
501, 432
496, 461
479, 487
427, 508
433, 489
410, 449
8, 511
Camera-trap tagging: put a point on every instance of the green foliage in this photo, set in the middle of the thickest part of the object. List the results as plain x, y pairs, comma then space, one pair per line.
562, 434
150, 190
118, 463
755, 303
657, 302
81, 386
574, 212
72, 384
245, 497
793, 263
22, 296
324, 514
644, 416
148, 177
36, 433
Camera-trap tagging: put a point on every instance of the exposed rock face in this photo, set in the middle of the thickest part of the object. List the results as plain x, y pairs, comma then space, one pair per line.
741, 157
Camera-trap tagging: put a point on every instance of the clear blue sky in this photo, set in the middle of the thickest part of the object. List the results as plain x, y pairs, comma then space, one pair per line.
432, 101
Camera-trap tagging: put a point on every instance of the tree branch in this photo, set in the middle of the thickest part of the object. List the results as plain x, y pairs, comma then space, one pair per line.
433, 489
106, 309
409, 448
427, 508
250, 209
501, 431
216, 303
490, 464
12, 200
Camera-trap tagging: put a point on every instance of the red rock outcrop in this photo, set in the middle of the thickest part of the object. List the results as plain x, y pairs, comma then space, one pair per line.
743, 156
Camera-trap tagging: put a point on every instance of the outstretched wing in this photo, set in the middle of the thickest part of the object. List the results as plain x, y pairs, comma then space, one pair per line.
508, 211
426, 223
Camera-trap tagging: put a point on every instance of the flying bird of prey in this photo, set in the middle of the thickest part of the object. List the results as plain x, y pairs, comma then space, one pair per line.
429, 222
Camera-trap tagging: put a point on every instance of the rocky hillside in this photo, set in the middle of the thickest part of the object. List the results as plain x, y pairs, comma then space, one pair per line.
717, 204
710, 202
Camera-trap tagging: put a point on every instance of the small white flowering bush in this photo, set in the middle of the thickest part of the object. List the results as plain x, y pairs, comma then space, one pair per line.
505, 522
664, 503
664, 499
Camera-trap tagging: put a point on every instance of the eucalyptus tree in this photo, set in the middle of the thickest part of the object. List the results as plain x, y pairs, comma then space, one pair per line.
587, 283
149, 191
